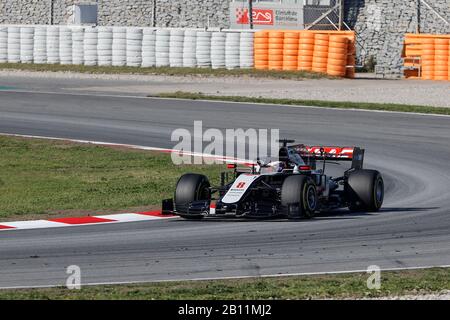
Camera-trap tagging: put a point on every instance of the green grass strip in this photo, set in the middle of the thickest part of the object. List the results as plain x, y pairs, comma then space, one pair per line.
338, 286
38, 177
313, 103
168, 71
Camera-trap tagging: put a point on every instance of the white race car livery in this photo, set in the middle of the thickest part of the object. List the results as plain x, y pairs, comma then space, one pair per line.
239, 187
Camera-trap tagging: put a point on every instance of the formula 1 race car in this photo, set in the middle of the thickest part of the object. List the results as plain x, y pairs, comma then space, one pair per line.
292, 186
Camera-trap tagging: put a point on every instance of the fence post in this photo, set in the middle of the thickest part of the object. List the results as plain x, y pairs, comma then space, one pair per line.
341, 14
50, 11
154, 13
250, 13
418, 16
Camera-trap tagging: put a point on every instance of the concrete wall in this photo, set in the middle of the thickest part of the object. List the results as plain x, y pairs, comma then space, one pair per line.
24, 11
169, 13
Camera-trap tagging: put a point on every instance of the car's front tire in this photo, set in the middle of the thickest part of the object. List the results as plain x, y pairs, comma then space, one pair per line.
191, 187
364, 190
299, 196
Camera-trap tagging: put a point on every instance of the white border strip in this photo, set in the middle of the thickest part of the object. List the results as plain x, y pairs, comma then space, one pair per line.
48, 224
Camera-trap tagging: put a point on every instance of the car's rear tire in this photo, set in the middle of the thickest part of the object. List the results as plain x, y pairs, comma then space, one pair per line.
299, 196
364, 191
191, 187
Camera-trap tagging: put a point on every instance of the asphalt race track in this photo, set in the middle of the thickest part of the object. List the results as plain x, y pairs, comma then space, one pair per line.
412, 230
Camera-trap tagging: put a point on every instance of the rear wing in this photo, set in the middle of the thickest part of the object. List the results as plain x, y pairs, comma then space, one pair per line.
332, 153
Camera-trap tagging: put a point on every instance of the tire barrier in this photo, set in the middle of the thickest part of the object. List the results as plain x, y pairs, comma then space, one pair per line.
13, 44
320, 57
218, 40
246, 50
40, 45
53, 45
275, 51
148, 47
232, 45
134, 47
190, 49
26, 45
3, 44
176, 44
261, 49
427, 57
331, 52
162, 48
104, 46
441, 59
90, 46
65, 45
351, 56
119, 47
203, 49
305, 51
290, 51
337, 56
77, 45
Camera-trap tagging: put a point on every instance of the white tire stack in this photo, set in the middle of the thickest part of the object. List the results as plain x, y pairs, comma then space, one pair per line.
90, 46
189, 49
26, 44
40, 45
203, 49
162, 47
119, 47
3, 44
65, 45
78, 45
104, 46
13, 44
218, 50
53, 45
232, 56
148, 47
176, 47
134, 47
246, 51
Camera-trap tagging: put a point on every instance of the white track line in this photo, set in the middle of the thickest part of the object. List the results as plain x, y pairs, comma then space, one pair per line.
132, 146
218, 101
232, 278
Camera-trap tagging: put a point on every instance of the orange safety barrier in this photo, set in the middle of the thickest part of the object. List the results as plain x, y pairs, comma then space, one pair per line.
305, 51
276, 44
290, 50
337, 56
320, 55
324, 51
261, 50
427, 56
441, 60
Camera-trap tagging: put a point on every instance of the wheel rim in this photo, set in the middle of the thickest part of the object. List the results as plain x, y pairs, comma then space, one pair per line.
311, 198
203, 192
379, 194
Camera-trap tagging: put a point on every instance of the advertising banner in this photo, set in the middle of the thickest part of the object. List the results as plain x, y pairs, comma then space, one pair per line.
267, 16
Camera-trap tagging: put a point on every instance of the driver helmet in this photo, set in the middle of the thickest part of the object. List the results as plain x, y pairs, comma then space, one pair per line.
277, 166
